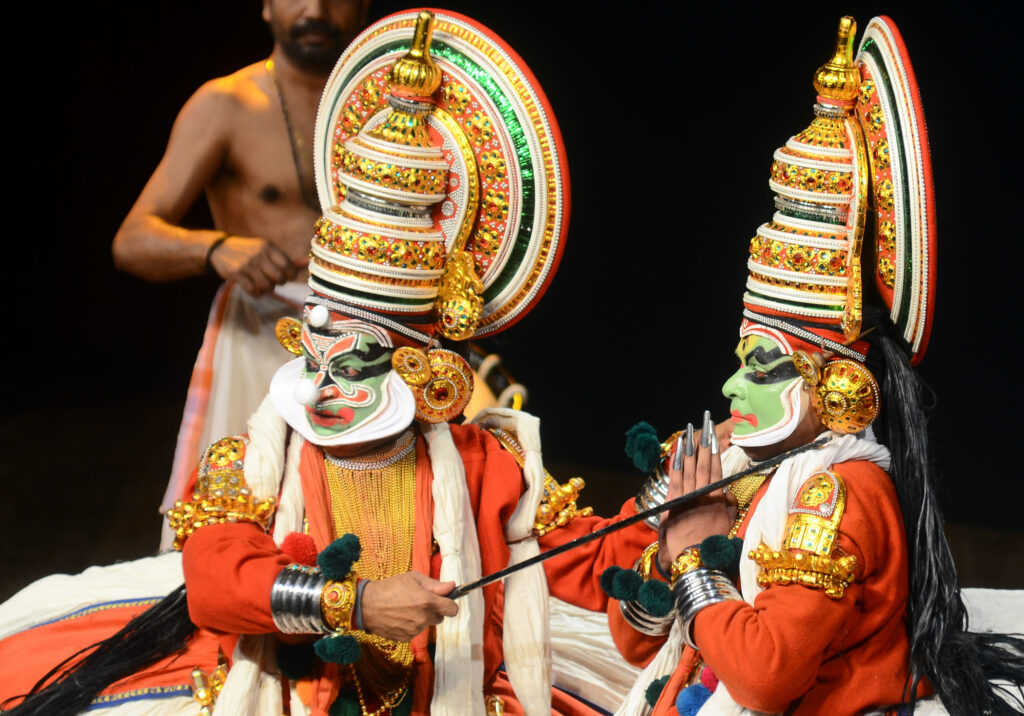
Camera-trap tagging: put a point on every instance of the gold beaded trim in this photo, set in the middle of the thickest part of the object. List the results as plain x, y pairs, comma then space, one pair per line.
337, 602
787, 567
221, 494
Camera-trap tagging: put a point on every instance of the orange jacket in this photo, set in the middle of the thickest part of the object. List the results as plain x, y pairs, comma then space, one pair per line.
795, 650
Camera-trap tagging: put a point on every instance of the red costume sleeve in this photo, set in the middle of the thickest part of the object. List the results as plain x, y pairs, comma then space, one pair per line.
574, 576
229, 571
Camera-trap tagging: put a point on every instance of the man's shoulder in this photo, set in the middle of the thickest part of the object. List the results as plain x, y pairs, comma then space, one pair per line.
241, 90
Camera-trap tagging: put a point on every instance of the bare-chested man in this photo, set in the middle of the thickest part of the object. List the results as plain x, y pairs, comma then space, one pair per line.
246, 140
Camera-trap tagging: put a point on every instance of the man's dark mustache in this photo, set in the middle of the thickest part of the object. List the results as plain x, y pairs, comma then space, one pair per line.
313, 25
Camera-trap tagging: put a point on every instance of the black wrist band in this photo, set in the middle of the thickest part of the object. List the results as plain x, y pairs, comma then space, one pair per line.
667, 576
213, 247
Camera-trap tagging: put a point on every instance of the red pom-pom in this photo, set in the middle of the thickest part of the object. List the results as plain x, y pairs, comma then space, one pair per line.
301, 548
708, 678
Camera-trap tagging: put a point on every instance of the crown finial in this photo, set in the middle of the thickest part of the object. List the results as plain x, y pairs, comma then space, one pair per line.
416, 74
839, 78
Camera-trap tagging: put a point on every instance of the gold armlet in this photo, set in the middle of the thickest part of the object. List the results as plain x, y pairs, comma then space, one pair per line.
558, 506
790, 566
337, 602
645, 564
221, 494
686, 562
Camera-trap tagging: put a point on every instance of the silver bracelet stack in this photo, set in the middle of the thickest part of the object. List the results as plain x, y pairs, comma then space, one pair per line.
698, 589
295, 600
643, 621
653, 493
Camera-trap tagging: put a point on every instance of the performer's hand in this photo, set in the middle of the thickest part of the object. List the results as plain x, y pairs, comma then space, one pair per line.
254, 264
402, 606
707, 516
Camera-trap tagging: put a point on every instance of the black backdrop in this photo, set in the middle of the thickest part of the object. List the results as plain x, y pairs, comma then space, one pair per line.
670, 117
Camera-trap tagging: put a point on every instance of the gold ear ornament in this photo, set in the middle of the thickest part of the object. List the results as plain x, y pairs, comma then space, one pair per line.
846, 397
441, 382
289, 334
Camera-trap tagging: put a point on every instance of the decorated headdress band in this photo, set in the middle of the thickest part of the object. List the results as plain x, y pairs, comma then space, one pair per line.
442, 175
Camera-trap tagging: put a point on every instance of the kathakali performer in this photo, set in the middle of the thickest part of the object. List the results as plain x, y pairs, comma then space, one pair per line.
329, 535
823, 584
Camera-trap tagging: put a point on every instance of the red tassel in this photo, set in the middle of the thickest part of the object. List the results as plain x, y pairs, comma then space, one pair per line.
301, 548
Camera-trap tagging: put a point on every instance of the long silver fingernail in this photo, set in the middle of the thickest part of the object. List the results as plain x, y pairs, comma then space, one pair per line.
714, 443
690, 447
677, 456
705, 430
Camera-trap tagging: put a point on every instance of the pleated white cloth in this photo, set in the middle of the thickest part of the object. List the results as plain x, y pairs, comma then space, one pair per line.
526, 633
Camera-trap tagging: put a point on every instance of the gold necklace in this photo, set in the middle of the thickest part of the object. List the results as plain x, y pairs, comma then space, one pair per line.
388, 701
373, 496
745, 489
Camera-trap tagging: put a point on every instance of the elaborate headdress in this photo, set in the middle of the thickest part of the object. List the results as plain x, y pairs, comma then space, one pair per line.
854, 204
444, 186
443, 179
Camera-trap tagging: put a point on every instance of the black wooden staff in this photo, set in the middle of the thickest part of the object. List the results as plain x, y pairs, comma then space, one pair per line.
622, 524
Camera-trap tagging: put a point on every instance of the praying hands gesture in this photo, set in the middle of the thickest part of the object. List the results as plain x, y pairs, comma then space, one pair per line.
695, 463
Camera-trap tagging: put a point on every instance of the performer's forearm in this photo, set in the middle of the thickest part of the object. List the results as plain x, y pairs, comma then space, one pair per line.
155, 250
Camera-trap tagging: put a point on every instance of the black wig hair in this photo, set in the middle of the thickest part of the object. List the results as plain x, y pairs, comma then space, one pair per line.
158, 632
960, 665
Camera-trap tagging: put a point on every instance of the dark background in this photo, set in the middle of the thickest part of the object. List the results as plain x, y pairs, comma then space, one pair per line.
670, 117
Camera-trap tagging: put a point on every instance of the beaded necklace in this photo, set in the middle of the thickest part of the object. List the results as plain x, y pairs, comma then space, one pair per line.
373, 496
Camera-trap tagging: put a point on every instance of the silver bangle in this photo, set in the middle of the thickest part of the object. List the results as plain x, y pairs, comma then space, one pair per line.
295, 600
653, 493
698, 589
643, 621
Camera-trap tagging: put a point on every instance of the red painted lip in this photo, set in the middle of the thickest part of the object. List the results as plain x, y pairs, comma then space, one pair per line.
738, 417
330, 421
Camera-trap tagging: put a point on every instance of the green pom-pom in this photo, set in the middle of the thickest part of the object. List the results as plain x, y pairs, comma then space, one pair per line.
654, 689
337, 558
608, 580
295, 660
721, 553
643, 447
338, 648
655, 597
625, 584
347, 704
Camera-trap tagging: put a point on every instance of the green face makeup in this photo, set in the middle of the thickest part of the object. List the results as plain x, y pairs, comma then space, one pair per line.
349, 370
759, 390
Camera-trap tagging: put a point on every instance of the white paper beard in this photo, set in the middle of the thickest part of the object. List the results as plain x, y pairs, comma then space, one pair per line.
795, 402
395, 415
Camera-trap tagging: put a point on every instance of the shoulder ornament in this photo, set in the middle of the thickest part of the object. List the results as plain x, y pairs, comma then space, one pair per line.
558, 505
221, 493
807, 553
